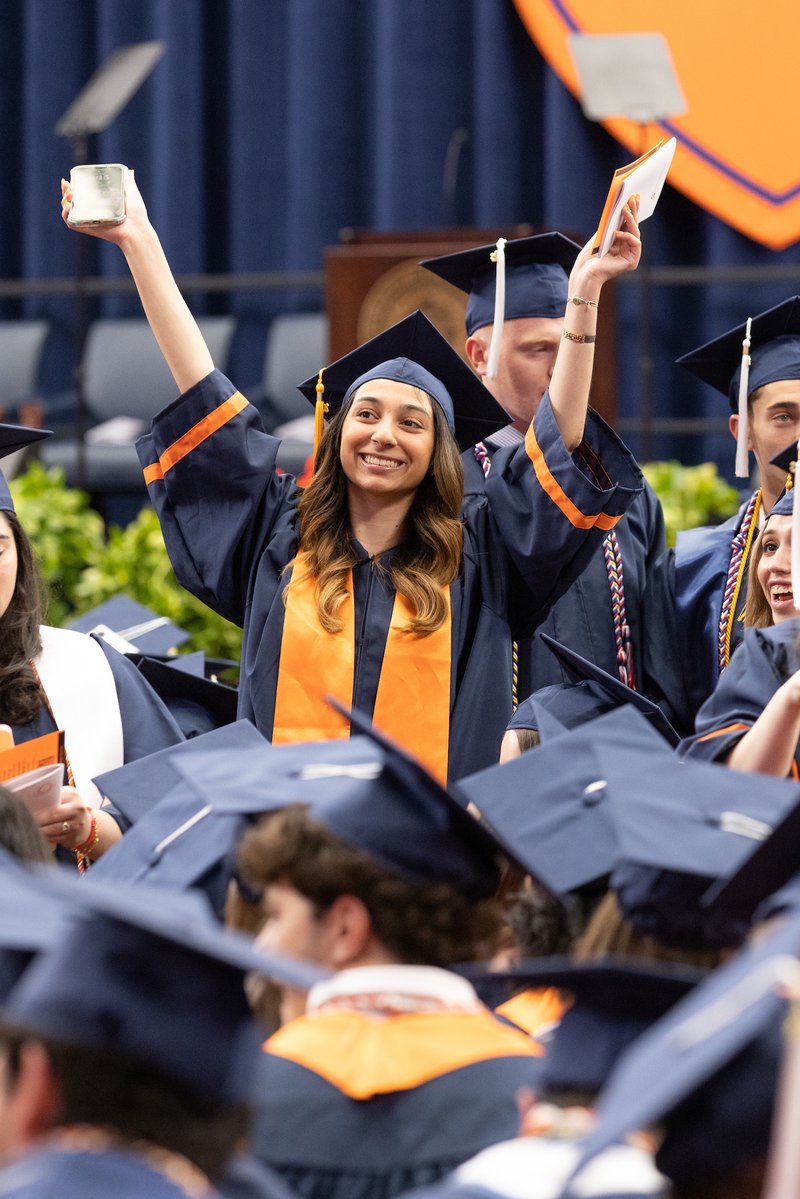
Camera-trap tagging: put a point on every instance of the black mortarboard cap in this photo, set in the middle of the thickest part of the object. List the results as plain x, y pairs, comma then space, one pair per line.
613, 1001
137, 787
770, 865
151, 973
548, 712
537, 272
414, 352
765, 349
679, 827
774, 352
32, 919
579, 669
368, 792
134, 623
549, 809
687, 1050
12, 438
199, 704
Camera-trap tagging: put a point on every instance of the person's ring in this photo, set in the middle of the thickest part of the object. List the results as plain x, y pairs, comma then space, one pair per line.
65, 827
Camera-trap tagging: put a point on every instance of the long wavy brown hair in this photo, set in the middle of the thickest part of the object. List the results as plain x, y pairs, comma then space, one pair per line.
757, 612
430, 556
20, 639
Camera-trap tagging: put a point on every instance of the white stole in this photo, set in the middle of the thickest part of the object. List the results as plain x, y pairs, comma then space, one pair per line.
79, 685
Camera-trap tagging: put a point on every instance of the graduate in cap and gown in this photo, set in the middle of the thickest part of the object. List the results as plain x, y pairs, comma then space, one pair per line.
377, 585
127, 1045
514, 322
696, 594
56, 679
368, 867
751, 720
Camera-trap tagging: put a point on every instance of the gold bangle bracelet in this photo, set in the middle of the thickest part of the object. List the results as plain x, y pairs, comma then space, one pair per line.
580, 338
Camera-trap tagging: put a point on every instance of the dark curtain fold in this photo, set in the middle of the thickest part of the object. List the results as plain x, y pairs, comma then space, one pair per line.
269, 125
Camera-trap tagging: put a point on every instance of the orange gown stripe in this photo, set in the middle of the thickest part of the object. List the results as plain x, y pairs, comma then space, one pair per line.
550, 485
729, 728
364, 1055
194, 437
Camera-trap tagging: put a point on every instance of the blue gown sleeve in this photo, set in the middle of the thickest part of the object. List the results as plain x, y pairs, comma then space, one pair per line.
550, 509
745, 687
210, 469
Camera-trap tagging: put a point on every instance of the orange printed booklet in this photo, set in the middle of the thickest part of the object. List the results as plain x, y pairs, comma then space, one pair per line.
34, 770
645, 176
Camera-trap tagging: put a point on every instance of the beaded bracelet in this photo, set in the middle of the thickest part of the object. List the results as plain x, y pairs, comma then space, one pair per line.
90, 842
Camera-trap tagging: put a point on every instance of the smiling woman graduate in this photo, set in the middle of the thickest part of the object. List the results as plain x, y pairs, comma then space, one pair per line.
378, 585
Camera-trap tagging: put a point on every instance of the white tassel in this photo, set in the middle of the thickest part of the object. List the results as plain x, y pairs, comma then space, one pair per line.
499, 258
742, 453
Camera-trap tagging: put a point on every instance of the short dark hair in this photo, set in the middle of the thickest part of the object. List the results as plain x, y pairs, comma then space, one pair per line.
424, 924
129, 1097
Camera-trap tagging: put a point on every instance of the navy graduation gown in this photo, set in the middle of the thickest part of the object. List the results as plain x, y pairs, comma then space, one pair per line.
684, 604
583, 617
47, 1172
331, 1135
762, 663
230, 525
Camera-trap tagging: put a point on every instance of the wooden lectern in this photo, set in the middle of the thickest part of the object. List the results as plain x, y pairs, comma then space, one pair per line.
372, 280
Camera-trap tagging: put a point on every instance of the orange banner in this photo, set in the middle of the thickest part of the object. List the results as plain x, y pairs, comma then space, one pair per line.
738, 153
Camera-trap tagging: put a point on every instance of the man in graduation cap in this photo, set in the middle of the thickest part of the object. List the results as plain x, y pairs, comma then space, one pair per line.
369, 868
696, 594
127, 1047
400, 598
512, 344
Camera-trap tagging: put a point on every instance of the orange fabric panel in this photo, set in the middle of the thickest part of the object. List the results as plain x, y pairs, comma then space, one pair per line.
413, 698
535, 1011
735, 145
365, 1055
550, 485
194, 437
301, 713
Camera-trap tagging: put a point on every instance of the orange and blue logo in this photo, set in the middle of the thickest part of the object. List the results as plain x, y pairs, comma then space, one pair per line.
738, 151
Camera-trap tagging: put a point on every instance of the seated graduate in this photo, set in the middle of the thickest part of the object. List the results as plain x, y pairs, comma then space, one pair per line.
696, 594
610, 1003
752, 719
380, 541
55, 679
397, 1072
127, 1047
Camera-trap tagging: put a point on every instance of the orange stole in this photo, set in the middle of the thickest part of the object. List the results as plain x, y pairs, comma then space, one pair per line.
412, 705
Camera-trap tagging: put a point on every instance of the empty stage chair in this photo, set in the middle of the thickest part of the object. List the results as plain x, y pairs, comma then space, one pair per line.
126, 382
21, 349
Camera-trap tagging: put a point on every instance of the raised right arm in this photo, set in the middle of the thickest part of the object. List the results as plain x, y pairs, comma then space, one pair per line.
173, 325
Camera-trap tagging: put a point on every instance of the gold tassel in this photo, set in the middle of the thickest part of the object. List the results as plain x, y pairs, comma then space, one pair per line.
320, 408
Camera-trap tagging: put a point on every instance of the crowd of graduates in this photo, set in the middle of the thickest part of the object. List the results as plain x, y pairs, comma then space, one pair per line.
487, 886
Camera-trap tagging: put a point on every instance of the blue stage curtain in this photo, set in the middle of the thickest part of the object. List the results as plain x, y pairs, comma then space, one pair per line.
271, 124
